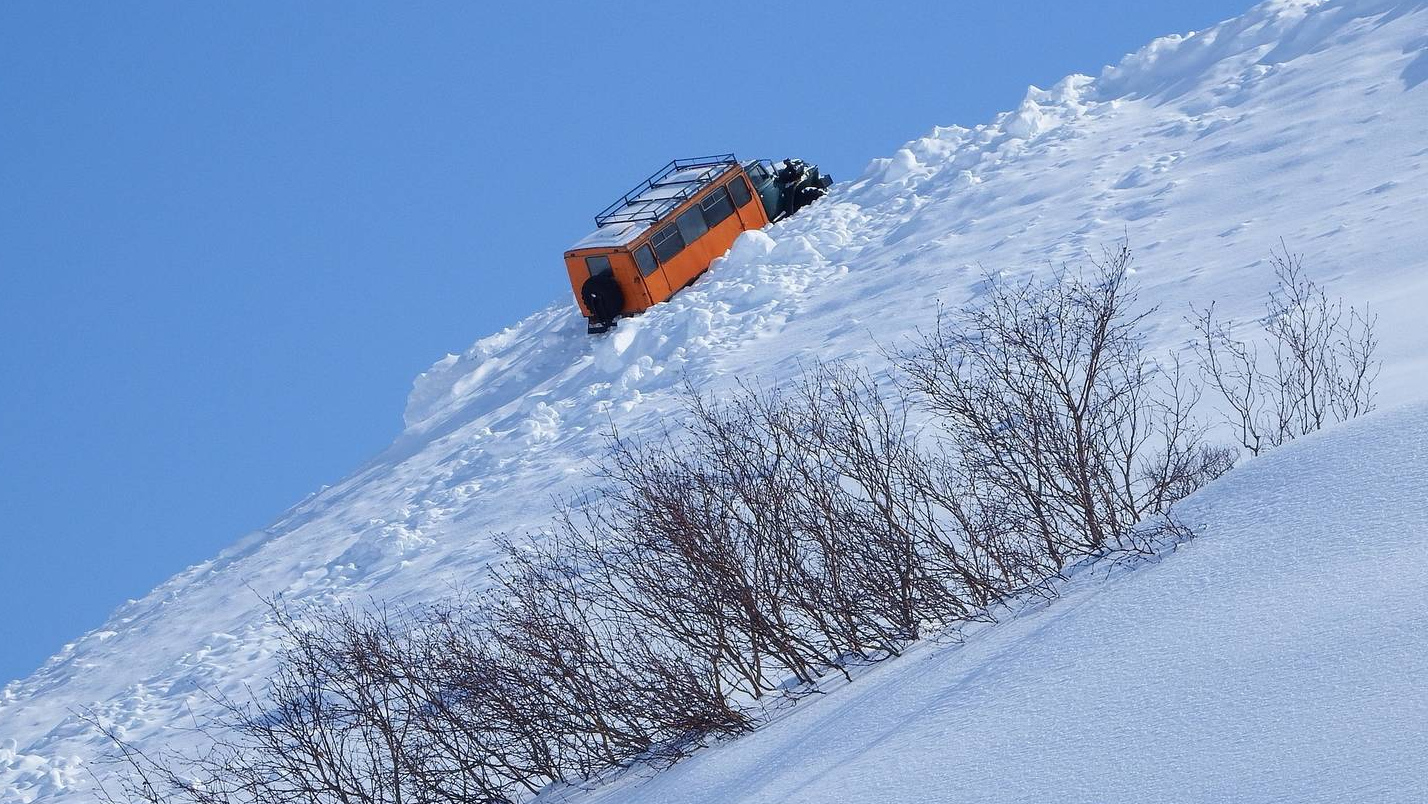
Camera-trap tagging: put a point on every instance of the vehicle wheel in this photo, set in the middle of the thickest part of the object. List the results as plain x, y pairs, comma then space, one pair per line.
603, 297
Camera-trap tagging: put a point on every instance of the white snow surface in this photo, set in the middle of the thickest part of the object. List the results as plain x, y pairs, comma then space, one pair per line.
1280, 657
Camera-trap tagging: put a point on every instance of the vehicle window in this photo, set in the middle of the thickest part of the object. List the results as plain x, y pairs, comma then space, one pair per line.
645, 259
692, 225
597, 265
739, 189
667, 242
756, 172
717, 207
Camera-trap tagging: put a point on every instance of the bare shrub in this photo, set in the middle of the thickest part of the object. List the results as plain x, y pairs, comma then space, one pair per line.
602, 687
1318, 368
333, 726
1057, 417
807, 523
879, 509
480, 701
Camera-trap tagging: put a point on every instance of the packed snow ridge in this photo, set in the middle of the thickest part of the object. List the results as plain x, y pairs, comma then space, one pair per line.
1278, 657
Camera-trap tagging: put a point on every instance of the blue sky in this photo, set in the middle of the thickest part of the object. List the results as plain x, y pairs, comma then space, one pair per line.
232, 233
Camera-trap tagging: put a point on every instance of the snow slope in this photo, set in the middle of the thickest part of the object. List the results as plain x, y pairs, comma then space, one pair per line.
1281, 656
1303, 119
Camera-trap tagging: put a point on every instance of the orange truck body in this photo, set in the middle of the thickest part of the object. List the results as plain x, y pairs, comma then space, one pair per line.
661, 274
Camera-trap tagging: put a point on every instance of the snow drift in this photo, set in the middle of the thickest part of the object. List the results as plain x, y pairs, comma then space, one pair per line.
1305, 120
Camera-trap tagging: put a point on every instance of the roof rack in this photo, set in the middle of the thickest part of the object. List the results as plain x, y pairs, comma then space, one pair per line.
645, 203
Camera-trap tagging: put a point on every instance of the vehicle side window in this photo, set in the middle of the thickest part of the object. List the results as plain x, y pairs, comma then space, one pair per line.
667, 243
739, 189
756, 172
645, 258
716, 207
597, 265
691, 224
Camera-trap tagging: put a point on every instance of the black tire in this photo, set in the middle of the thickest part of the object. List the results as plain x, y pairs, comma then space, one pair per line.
603, 297
807, 195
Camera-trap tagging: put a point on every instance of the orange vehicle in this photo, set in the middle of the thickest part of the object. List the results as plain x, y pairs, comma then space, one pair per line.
659, 237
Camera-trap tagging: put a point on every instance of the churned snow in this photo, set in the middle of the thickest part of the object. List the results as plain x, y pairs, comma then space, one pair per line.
1280, 657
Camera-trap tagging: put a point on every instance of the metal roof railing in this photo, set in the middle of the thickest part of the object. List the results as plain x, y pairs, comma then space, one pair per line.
632, 207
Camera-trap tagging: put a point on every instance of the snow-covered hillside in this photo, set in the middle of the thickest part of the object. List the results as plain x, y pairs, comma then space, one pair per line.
1279, 657
1305, 120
